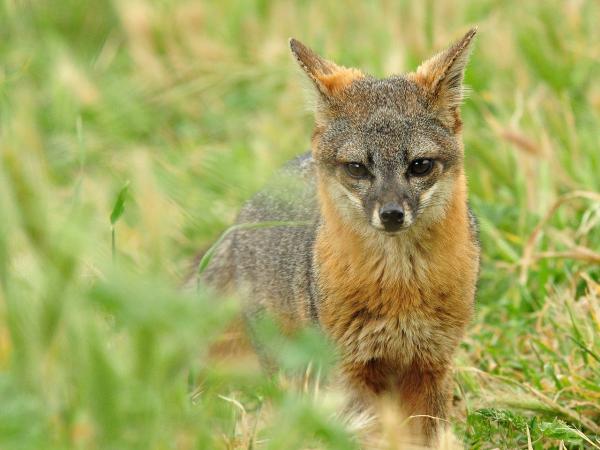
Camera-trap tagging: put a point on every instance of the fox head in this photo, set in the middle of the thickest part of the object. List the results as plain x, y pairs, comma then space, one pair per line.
388, 151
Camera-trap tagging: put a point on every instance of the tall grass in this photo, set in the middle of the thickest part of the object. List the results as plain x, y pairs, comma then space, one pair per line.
196, 104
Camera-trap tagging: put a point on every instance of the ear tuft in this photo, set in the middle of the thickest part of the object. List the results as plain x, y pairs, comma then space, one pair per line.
329, 78
442, 77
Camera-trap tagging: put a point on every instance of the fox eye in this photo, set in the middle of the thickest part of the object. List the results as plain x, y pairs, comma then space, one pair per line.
420, 167
357, 170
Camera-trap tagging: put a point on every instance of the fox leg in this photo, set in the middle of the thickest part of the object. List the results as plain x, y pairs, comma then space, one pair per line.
426, 393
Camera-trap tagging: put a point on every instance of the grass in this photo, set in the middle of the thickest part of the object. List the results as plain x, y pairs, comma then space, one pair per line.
195, 104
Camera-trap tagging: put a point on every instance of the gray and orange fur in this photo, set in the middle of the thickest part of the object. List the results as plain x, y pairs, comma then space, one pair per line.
395, 298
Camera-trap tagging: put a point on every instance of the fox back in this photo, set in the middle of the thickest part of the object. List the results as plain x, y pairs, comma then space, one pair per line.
370, 235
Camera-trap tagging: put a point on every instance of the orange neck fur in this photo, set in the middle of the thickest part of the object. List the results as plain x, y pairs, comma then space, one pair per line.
385, 276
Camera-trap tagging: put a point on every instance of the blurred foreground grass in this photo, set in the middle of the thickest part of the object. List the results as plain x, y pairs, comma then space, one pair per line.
195, 104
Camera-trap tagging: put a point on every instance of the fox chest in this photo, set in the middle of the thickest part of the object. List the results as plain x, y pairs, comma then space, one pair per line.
399, 339
398, 324
400, 305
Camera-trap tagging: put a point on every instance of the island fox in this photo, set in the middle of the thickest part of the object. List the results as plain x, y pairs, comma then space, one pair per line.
370, 235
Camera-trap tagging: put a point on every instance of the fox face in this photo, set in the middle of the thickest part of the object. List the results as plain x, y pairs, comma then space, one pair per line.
388, 151
385, 163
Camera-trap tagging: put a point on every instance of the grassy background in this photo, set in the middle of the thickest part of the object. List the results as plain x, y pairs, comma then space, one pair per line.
195, 104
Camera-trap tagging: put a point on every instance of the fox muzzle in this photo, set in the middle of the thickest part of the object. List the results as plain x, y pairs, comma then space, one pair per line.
391, 216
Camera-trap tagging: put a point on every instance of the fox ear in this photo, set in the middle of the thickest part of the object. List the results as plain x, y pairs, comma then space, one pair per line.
442, 77
329, 78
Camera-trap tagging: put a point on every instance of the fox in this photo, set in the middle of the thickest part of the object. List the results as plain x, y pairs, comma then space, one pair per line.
371, 236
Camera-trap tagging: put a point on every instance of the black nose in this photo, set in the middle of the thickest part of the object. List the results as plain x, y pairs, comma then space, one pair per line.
392, 216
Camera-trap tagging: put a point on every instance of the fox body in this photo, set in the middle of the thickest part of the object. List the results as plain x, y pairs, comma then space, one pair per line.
373, 239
